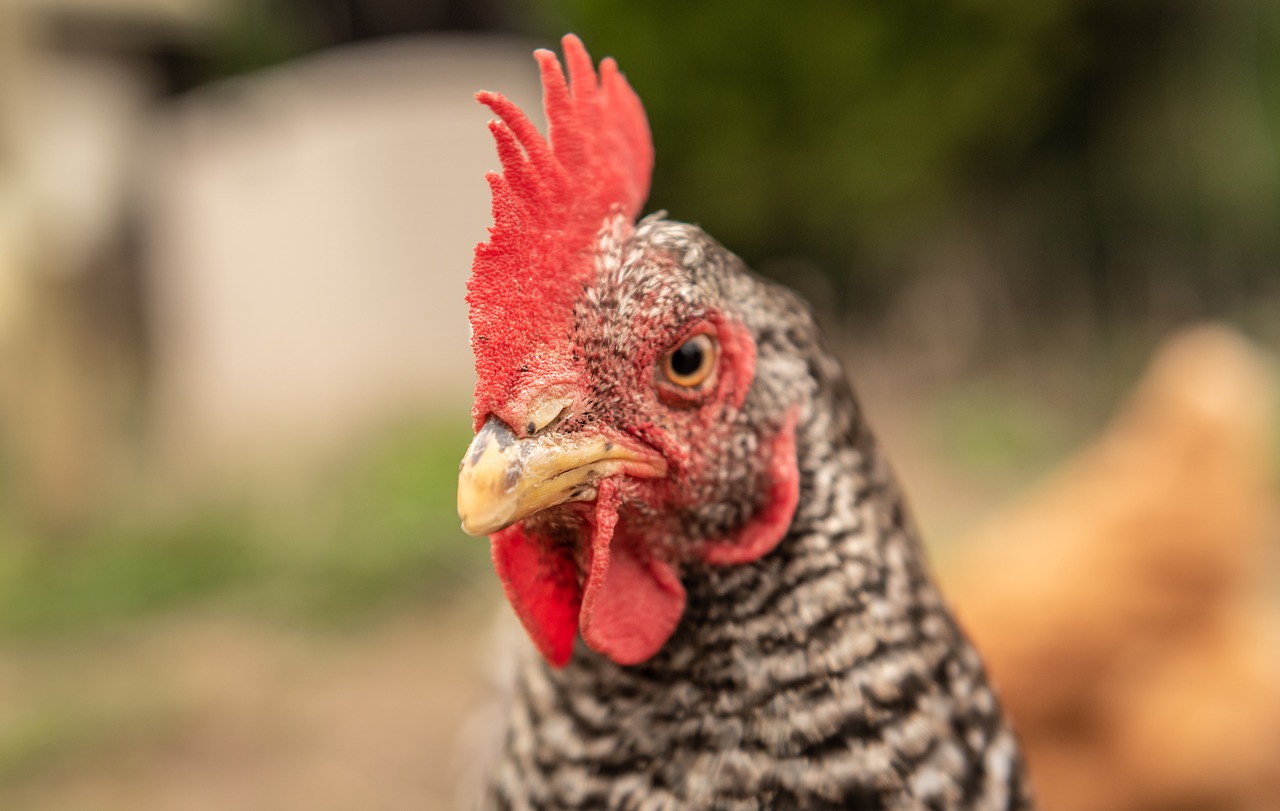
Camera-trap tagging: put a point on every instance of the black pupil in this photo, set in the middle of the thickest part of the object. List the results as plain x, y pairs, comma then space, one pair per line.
687, 360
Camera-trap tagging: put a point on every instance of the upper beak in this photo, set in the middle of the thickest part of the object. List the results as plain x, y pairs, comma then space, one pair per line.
504, 479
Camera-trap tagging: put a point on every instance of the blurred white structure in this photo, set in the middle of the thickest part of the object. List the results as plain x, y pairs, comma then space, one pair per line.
310, 234
70, 122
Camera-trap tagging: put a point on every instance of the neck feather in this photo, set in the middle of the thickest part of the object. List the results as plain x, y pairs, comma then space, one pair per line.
828, 671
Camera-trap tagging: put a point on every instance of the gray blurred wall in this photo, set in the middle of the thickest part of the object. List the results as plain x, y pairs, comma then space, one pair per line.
309, 234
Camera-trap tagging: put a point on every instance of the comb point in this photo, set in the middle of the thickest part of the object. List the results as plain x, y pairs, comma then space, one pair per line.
551, 200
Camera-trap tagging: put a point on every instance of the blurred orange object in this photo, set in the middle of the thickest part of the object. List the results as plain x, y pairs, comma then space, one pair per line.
1123, 606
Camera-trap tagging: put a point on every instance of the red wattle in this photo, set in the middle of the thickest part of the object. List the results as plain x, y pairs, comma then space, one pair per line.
631, 605
542, 585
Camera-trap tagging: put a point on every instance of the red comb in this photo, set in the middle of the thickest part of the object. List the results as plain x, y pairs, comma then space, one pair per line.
549, 205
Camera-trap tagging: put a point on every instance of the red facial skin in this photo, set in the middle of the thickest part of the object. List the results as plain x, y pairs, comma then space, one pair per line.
617, 582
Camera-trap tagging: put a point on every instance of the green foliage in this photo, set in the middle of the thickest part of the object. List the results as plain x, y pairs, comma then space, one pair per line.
61, 727
255, 34
1121, 160
391, 533
383, 532
831, 125
50, 586
990, 429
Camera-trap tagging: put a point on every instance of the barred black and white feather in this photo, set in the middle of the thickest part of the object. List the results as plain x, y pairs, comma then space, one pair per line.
827, 674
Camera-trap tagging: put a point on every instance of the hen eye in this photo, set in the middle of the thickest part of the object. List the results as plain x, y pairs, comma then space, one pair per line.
691, 362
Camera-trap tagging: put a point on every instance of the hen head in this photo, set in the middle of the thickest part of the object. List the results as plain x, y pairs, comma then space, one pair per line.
632, 416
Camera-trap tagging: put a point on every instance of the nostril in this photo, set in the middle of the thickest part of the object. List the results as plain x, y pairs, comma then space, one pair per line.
546, 413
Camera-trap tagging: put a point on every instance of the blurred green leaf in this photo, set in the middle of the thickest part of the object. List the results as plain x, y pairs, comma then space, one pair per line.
54, 586
381, 532
991, 430
1121, 160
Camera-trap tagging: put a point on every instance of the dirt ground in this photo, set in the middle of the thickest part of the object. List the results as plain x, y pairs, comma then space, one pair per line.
212, 713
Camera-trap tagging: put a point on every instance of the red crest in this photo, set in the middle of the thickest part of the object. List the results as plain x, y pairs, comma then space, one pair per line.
550, 203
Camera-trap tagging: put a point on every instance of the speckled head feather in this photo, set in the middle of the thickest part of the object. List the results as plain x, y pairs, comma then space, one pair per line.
550, 203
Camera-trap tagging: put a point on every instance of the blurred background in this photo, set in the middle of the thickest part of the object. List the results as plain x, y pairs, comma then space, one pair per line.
235, 373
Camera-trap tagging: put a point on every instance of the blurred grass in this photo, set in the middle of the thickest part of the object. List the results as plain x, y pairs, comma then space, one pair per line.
121, 573
370, 535
59, 730
992, 429
390, 532
382, 532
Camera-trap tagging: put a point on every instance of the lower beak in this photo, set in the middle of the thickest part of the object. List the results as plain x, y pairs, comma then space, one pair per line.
504, 479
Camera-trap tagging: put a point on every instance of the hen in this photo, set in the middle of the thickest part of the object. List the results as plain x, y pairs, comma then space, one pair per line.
689, 514
1123, 603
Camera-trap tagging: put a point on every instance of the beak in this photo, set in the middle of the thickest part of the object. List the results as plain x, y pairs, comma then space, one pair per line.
504, 479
